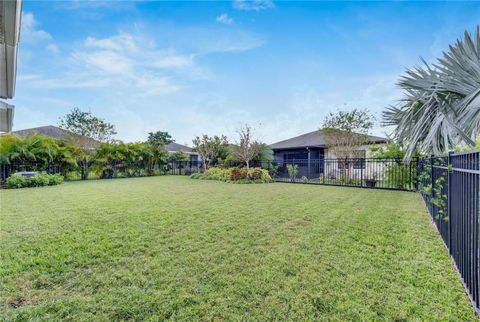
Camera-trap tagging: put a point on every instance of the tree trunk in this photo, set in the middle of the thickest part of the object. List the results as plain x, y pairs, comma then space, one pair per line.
84, 169
248, 167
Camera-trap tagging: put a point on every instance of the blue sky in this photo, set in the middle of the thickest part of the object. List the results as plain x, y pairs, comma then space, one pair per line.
194, 68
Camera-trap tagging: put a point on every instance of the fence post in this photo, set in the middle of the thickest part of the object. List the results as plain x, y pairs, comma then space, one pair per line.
417, 171
432, 196
449, 196
410, 179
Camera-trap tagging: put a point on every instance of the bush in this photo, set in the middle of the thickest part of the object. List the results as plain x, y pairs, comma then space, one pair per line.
304, 179
292, 171
55, 179
15, 182
236, 175
215, 173
259, 174
39, 180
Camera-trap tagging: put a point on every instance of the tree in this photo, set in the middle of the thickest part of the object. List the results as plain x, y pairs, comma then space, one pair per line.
210, 148
441, 104
85, 124
179, 156
37, 148
159, 138
246, 148
345, 131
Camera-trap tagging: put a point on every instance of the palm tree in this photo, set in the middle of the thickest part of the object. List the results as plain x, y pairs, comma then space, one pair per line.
441, 104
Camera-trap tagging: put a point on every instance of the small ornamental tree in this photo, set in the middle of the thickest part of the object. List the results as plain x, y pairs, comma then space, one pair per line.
346, 131
159, 138
179, 156
246, 148
210, 148
86, 126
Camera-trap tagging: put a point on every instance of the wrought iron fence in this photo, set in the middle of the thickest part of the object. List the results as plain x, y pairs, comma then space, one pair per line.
359, 172
367, 173
450, 187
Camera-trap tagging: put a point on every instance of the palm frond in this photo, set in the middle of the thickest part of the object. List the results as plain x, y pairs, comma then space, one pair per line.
441, 103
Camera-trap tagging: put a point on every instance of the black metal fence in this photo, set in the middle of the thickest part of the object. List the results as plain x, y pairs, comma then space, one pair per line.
362, 172
450, 187
365, 172
87, 170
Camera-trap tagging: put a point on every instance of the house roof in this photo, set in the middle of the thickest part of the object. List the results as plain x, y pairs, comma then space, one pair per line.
175, 147
314, 139
61, 134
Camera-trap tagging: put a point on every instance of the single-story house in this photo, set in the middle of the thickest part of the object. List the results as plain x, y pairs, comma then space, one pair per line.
175, 147
61, 134
311, 154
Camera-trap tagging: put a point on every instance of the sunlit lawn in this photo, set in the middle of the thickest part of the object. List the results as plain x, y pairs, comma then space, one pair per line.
172, 247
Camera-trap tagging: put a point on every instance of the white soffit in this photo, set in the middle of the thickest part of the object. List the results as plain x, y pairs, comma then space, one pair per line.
6, 117
10, 19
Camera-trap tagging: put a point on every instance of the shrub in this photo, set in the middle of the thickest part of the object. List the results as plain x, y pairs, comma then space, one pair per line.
15, 182
236, 175
304, 179
292, 171
39, 180
260, 174
55, 179
215, 173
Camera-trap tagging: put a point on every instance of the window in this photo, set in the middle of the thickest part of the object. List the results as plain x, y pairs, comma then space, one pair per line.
298, 158
360, 156
295, 156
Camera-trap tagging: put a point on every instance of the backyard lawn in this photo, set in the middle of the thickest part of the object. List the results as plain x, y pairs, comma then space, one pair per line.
175, 248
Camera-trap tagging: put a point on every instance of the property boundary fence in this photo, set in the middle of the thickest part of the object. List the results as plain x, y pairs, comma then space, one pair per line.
449, 185
362, 172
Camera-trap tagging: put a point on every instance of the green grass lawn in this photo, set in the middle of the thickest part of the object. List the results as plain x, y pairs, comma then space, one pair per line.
172, 247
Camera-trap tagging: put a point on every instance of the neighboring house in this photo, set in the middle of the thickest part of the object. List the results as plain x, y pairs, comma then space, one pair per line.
175, 147
310, 152
61, 134
313, 145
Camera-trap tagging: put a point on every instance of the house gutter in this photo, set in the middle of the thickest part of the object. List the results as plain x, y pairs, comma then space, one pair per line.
10, 20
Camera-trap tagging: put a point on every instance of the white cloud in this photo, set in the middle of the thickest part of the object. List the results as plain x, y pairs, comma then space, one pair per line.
122, 64
120, 43
169, 59
225, 19
53, 48
255, 5
30, 33
230, 42
107, 61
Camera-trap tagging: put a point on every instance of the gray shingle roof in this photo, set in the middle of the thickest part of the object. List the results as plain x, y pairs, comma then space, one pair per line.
313, 139
175, 147
60, 134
